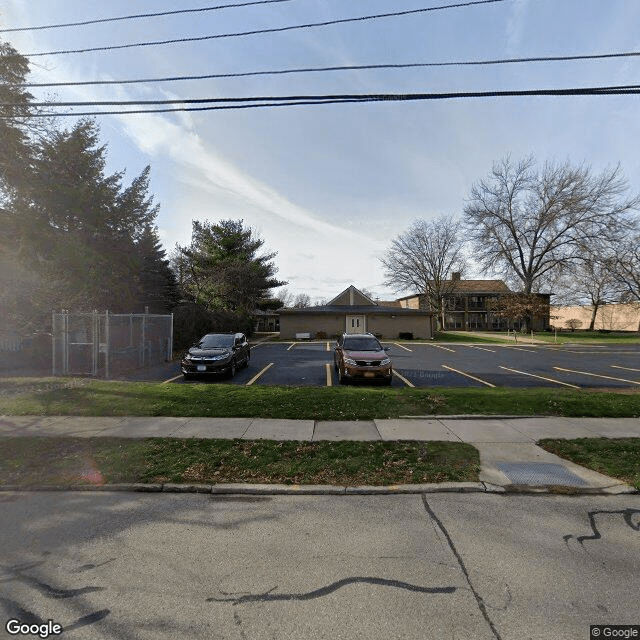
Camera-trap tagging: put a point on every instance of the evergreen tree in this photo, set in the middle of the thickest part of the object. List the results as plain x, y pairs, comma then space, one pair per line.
157, 287
222, 270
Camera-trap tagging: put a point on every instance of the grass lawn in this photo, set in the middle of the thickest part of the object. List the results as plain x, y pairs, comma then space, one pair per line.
591, 337
55, 396
67, 461
455, 336
615, 457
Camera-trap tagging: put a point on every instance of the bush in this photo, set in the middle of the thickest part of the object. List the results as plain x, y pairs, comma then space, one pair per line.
573, 323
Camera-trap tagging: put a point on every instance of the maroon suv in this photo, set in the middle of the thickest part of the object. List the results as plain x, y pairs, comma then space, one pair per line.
361, 357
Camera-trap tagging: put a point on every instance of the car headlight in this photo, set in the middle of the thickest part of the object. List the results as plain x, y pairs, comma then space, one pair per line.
385, 362
351, 362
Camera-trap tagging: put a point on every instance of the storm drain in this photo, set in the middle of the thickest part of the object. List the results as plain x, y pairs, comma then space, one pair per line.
540, 473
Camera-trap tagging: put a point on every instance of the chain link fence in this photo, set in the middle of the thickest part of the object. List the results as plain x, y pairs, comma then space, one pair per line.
106, 345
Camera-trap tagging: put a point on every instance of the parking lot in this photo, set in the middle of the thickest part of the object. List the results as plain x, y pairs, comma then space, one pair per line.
452, 365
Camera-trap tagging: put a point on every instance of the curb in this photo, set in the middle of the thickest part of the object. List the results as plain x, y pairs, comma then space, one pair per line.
283, 489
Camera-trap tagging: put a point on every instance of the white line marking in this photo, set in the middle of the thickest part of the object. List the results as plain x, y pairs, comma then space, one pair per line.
524, 373
259, 374
171, 379
518, 348
625, 368
401, 346
597, 375
473, 346
328, 370
293, 344
409, 384
468, 375
328, 347
439, 347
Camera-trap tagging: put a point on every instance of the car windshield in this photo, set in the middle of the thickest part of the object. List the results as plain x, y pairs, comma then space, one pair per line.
361, 344
215, 341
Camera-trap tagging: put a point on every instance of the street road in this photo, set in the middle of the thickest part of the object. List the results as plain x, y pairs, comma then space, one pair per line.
156, 566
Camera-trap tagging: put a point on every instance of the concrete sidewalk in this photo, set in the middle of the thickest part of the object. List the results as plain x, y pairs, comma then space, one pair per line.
509, 457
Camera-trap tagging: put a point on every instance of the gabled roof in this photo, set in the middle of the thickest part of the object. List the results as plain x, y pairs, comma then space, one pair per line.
472, 286
351, 297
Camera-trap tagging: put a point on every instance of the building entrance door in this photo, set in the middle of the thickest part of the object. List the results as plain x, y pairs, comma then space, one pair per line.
356, 324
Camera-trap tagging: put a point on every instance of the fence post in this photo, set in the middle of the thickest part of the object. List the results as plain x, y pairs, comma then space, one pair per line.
53, 343
106, 347
170, 354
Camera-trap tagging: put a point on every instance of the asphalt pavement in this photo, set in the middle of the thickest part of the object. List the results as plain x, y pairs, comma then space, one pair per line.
509, 456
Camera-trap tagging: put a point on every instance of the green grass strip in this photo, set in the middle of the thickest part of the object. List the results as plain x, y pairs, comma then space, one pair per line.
615, 457
68, 461
110, 398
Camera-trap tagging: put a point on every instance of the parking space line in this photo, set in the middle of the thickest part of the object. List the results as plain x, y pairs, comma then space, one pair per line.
615, 366
518, 348
328, 347
468, 375
524, 373
439, 347
259, 374
597, 375
293, 344
401, 346
171, 379
327, 367
409, 384
473, 346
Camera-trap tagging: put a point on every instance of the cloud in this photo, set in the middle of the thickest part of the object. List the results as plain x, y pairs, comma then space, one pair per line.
516, 23
157, 136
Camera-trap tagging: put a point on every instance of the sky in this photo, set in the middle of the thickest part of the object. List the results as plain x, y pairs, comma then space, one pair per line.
328, 187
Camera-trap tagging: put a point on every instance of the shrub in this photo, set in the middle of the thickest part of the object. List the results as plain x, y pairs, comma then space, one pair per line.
573, 323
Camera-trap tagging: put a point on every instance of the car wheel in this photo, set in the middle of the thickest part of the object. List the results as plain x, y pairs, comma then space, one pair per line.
232, 369
187, 376
245, 364
341, 378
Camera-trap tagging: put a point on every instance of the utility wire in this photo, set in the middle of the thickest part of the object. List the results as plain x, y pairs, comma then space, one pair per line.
323, 97
238, 34
140, 15
281, 101
461, 63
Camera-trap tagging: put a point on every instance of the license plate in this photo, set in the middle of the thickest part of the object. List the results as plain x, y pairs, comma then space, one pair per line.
369, 374
202, 367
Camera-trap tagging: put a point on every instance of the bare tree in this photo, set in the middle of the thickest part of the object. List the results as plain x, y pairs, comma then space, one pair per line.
590, 280
423, 259
627, 270
527, 222
301, 301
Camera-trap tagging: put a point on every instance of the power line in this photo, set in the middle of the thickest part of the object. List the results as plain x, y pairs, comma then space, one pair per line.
139, 16
211, 104
239, 34
460, 63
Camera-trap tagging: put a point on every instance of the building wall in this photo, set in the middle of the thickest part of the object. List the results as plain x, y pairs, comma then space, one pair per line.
610, 317
333, 324
390, 327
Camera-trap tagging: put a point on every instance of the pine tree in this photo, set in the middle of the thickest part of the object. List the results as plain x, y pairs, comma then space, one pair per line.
222, 269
